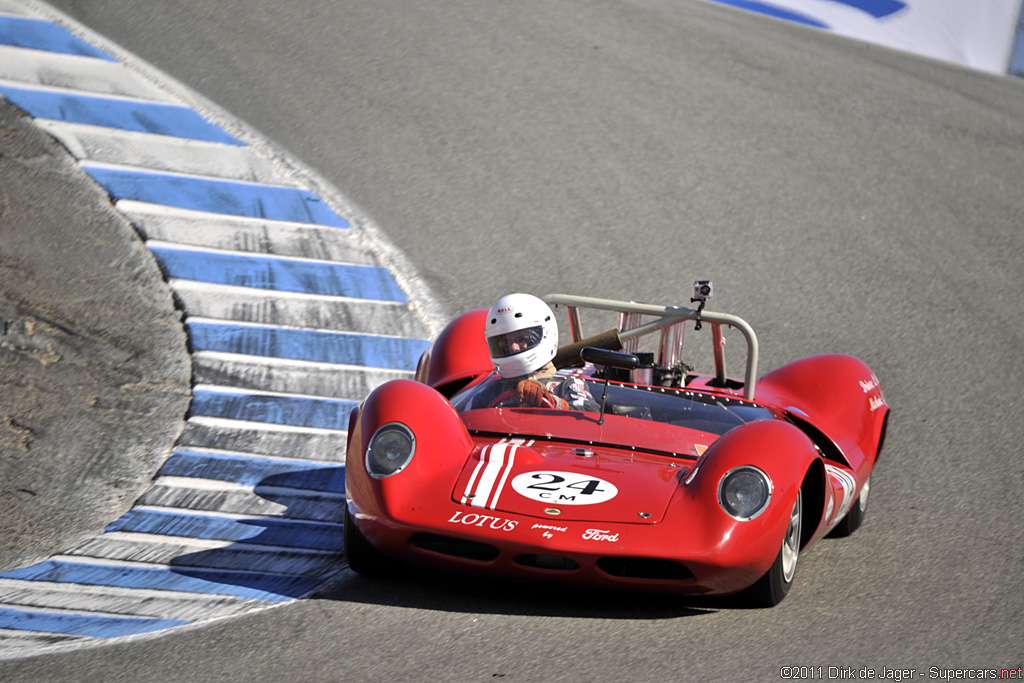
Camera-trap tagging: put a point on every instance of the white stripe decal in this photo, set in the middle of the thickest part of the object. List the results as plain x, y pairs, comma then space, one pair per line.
492, 460
504, 476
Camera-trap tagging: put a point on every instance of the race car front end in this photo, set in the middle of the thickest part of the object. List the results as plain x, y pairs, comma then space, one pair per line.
422, 488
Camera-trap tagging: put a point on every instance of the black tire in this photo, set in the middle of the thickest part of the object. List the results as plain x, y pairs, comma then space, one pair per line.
771, 588
855, 517
364, 559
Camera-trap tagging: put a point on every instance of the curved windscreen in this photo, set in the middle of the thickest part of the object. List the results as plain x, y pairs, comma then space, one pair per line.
693, 410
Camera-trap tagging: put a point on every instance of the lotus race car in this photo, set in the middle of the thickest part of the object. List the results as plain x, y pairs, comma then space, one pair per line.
668, 480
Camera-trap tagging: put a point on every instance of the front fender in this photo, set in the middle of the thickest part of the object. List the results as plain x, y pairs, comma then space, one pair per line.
742, 551
442, 446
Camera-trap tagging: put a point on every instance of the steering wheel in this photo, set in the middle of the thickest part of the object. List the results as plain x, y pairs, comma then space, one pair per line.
503, 397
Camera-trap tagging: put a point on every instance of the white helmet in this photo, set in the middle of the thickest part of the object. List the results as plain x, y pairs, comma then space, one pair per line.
521, 333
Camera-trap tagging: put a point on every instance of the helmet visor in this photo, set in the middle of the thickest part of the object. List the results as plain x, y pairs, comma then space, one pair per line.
517, 341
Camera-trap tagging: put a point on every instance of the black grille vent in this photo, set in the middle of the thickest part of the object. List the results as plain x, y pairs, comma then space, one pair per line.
644, 568
457, 547
547, 562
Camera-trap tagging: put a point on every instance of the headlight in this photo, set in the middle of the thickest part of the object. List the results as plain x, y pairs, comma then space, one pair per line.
390, 450
744, 492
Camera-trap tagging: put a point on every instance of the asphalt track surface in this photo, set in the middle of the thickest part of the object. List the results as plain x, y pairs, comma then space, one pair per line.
843, 197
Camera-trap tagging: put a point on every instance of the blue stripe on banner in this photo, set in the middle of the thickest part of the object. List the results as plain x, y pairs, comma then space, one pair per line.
774, 11
319, 346
131, 115
876, 8
216, 196
297, 411
37, 34
247, 585
279, 274
256, 531
255, 472
83, 624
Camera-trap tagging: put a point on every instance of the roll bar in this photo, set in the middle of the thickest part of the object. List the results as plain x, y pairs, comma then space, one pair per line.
667, 318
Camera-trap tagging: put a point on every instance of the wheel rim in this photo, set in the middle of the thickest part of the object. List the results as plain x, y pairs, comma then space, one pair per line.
791, 544
863, 500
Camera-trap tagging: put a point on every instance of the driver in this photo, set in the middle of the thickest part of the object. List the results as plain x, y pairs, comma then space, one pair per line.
522, 336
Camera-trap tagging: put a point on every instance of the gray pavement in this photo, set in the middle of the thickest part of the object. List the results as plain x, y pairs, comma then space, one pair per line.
94, 368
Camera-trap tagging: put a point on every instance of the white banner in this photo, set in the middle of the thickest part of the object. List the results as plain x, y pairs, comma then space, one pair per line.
976, 33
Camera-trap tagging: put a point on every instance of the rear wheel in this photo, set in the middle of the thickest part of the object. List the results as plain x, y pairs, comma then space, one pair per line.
771, 588
855, 517
364, 559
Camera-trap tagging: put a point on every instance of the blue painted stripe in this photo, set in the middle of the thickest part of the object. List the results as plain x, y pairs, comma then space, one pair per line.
320, 346
876, 8
248, 585
279, 274
297, 411
216, 196
108, 112
37, 34
774, 11
83, 624
255, 531
255, 472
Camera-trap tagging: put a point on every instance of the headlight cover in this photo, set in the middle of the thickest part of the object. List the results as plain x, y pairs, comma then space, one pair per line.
744, 492
390, 451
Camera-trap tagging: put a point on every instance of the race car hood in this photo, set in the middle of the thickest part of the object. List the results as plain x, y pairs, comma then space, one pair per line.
568, 482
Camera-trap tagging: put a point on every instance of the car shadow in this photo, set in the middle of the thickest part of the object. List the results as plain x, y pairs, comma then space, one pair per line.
430, 588
286, 552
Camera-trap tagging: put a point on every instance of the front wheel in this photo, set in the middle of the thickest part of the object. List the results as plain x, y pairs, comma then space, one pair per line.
364, 559
771, 588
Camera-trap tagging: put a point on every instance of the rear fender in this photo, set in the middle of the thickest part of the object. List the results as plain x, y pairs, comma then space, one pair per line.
837, 395
442, 446
458, 355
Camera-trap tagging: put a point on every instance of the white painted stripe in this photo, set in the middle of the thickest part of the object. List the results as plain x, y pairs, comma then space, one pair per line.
238, 391
168, 154
246, 234
24, 641
235, 252
261, 427
176, 547
492, 462
290, 376
257, 438
79, 92
256, 456
231, 487
202, 484
13, 8
135, 564
257, 306
504, 476
142, 602
36, 70
468, 495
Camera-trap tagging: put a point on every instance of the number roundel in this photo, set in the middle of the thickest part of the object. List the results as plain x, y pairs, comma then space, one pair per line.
564, 488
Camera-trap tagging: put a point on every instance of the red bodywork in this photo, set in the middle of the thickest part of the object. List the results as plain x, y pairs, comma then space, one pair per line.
482, 492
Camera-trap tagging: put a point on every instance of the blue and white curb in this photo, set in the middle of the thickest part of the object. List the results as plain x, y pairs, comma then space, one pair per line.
295, 309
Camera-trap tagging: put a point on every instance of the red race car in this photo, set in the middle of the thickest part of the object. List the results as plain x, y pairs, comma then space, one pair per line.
621, 467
